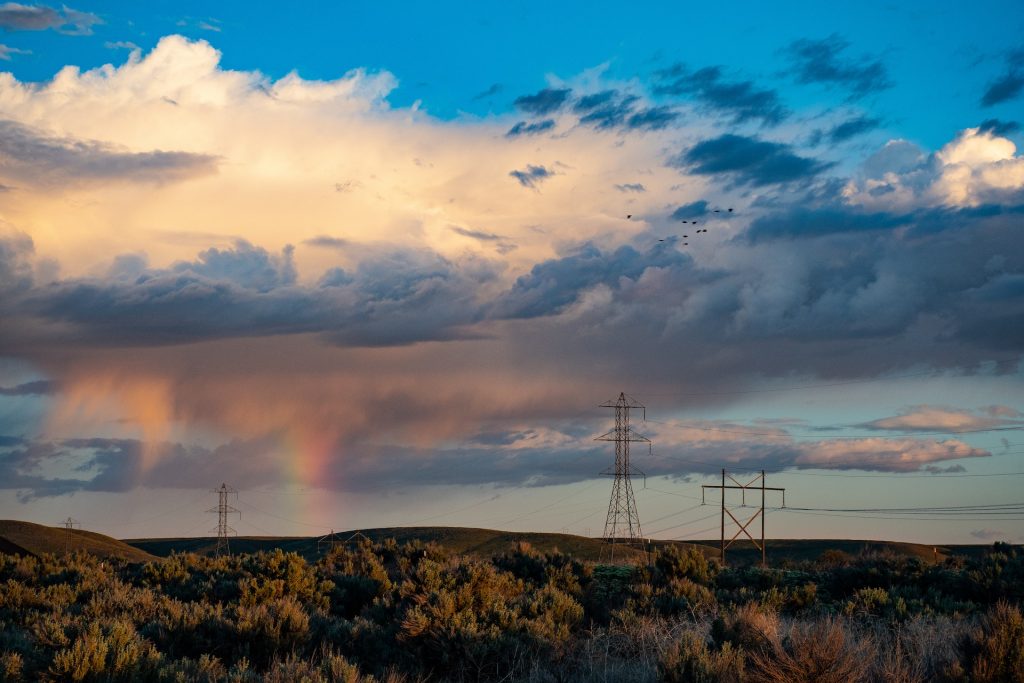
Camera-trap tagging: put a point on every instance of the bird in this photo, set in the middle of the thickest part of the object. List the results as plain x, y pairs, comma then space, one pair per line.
685, 243
685, 235
661, 240
629, 215
695, 222
717, 211
730, 210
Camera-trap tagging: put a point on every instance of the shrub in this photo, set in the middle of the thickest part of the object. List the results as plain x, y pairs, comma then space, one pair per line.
820, 651
689, 660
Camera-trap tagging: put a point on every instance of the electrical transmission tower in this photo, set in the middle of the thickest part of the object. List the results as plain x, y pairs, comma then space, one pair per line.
751, 485
69, 533
222, 510
622, 521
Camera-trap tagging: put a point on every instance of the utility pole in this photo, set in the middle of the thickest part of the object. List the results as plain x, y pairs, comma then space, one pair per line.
69, 533
222, 510
622, 520
755, 484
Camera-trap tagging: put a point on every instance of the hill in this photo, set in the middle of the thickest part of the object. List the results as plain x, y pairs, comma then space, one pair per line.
483, 543
486, 543
26, 538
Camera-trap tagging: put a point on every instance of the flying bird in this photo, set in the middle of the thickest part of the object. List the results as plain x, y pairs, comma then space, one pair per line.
629, 215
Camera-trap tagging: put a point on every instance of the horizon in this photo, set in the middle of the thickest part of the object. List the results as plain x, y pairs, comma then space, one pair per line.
374, 268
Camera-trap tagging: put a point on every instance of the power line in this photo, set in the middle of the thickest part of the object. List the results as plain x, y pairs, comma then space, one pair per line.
789, 435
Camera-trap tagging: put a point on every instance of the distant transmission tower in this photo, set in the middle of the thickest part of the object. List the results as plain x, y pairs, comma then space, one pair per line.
222, 510
69, 533
622, 521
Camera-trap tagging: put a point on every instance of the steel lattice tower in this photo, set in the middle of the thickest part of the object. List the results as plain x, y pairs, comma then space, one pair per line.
622, 521
222, 510
69, 533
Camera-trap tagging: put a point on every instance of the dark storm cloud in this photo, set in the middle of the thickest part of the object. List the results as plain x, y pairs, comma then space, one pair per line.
553, 285
815, 222
741, 100
17, 17
1010, 84
821, 61
514, 458
544, 102
998, 128
32, 157
524, 128
393, 297
852, 128
748, 160
531, 175
630, 187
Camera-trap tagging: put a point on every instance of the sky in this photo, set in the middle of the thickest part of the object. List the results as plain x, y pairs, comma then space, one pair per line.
380, 264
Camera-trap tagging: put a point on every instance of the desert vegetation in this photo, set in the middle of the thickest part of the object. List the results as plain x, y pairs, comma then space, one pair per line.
411, 612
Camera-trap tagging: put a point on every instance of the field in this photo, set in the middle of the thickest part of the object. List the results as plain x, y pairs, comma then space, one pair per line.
440, 604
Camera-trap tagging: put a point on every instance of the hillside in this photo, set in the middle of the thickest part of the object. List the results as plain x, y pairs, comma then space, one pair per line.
35, 539
486, 543
483, 543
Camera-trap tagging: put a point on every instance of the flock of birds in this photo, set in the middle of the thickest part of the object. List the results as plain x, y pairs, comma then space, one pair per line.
699, 230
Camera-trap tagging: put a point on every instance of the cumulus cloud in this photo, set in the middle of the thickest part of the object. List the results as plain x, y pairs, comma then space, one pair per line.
822, 61
400, 327
977, 169
740, 100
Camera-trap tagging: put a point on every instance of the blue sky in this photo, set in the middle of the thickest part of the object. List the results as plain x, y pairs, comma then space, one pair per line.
349, 252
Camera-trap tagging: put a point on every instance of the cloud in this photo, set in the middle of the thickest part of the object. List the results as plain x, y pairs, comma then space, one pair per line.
998, 128
551, 286
748, 160
31, 157
327, 242
815, 222
531, 175
821, 61
652, 118
692, 210
630, 187
392, 297
1009, 85
490, 92
936, 419
6, 51
543, 102
524, 128
40, 387
977, 169
17, 17
121, 45
852, 128
989, 534
741, 100
608, 110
